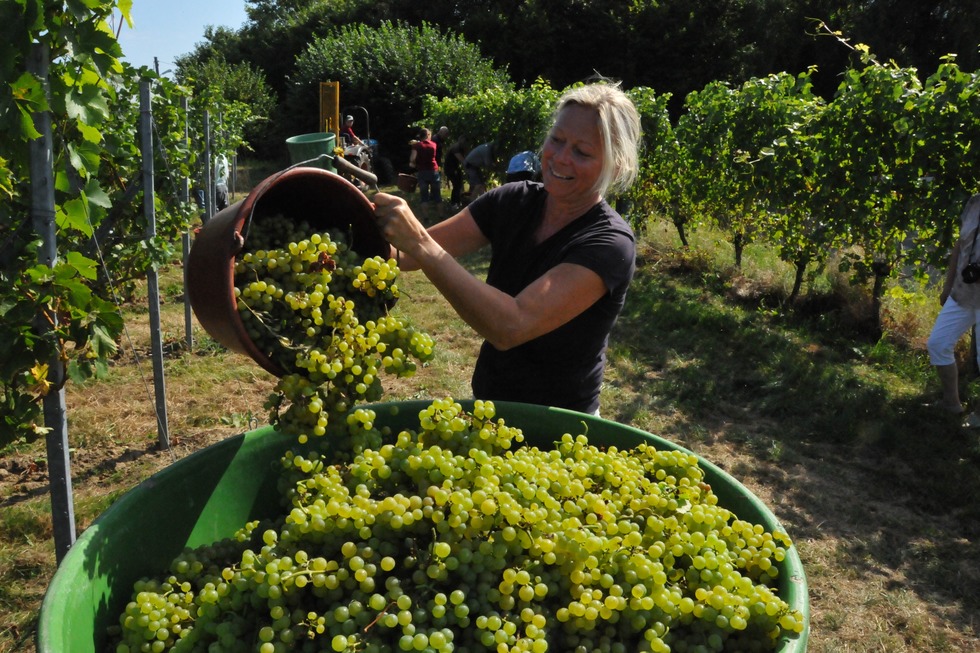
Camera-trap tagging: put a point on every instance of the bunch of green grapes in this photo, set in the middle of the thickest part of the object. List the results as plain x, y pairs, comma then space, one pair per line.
451, 538
320, 312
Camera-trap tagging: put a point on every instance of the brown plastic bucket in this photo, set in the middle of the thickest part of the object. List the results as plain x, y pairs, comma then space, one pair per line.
324, 199
407, 183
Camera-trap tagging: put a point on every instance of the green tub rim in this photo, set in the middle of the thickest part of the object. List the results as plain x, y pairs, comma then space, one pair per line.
76, 582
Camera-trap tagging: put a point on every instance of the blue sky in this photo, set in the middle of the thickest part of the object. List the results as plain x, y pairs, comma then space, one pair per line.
168, 28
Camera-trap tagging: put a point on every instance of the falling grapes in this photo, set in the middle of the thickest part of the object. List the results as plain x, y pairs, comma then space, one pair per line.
452, 536
320, 312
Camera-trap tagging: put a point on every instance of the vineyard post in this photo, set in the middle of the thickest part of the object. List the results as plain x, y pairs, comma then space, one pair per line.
43, 216
153, 290
208, 185
185, 238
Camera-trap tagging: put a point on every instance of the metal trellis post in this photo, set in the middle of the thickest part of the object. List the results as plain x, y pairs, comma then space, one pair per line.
185, 239
152, 282
208, 182
55, 418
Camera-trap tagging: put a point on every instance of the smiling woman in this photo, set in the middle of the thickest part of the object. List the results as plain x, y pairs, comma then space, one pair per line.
561, 257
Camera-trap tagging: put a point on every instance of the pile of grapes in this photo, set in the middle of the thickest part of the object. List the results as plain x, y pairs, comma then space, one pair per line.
452, 536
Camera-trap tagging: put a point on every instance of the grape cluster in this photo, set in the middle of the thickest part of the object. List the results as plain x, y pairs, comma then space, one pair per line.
453, 537
320, 312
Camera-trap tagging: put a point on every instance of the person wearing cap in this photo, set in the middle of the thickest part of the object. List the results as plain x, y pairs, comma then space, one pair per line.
524, 166
347, 132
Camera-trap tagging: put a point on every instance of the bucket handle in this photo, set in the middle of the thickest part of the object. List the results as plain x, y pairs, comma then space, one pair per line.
339, 162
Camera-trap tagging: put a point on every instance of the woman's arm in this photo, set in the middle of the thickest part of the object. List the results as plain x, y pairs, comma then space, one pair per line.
504, 321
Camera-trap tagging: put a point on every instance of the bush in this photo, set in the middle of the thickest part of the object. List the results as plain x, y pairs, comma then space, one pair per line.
388, 70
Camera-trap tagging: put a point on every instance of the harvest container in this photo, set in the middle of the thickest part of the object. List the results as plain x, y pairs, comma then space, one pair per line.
324, 199
307, 147
210, 494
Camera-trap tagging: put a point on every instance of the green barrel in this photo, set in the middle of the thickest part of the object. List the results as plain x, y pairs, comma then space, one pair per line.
309, 146
212, 493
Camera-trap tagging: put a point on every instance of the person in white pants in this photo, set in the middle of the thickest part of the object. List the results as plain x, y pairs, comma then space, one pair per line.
960, 299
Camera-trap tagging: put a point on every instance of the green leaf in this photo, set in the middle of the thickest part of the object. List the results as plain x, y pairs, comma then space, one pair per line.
27, 124
85, 266
74, 214
89, 133
79, 294
96, 195
102, 343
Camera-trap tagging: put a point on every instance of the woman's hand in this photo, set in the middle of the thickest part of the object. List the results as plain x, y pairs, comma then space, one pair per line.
397, 223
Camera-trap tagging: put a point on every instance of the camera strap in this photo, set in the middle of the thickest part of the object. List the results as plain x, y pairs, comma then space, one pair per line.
973, 247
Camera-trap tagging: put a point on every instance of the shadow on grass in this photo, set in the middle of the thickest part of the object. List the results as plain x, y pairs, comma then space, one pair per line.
863, 458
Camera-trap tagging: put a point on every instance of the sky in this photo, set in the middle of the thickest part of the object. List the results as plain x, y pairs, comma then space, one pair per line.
168, 28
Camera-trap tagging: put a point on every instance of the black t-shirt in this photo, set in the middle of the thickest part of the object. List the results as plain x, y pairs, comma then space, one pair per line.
440, 148
451, 163
563, 368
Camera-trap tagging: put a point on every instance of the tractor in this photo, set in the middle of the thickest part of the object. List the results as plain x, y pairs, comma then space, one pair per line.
366, 154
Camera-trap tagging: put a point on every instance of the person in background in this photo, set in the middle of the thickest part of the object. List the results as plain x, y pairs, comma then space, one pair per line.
524, 166
220, 181
423, 159
455, 155
197, 193
441, 139
960, 300
561, 258
480, 159
347, 132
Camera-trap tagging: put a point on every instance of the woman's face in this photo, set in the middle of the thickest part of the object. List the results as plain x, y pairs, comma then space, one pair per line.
572, 156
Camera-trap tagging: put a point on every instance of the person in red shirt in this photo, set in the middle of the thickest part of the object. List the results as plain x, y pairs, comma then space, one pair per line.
423, 159
347, 132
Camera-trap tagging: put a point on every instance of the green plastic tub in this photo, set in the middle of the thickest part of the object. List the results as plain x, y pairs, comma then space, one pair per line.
306, 147
212, 493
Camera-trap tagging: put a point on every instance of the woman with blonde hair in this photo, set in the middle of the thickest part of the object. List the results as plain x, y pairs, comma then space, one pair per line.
561, 257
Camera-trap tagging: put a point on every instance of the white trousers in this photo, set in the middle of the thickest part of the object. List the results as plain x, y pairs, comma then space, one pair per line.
951, 323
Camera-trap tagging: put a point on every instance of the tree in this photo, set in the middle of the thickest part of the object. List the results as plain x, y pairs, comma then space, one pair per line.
389, 69
246, 101
516, 120
918, 34
79, 325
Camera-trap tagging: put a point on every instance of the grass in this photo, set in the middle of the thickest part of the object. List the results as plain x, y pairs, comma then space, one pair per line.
824, 423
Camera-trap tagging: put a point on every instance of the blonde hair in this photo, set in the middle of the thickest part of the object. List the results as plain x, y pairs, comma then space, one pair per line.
619, 128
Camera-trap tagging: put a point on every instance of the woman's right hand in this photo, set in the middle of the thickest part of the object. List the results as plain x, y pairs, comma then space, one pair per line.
397, 223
